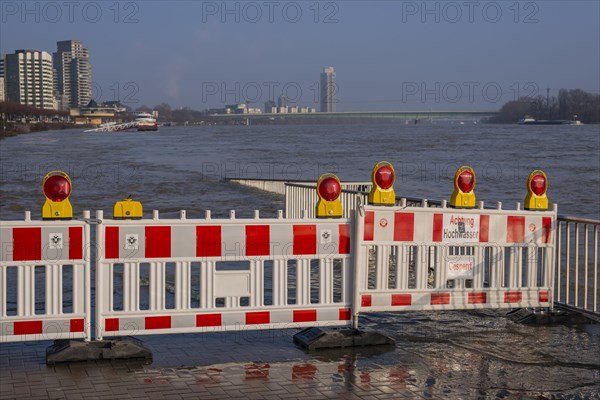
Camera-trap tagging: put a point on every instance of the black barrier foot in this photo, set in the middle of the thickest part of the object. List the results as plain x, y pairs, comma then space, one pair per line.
76, 350
317, 338
548, 317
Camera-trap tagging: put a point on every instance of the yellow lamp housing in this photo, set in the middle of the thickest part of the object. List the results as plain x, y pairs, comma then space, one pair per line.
383, 178
464, 186
57, 187
128, 209
329, 190
537, 185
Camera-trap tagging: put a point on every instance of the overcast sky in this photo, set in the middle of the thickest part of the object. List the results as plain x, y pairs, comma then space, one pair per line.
388, 55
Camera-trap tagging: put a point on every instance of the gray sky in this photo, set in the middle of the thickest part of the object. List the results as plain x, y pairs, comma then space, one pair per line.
388, 55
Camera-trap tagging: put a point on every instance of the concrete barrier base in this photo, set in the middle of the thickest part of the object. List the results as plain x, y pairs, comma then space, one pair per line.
67, 350
317, 338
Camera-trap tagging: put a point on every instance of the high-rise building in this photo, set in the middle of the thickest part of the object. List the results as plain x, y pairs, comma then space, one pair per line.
73, 73
328, 90
29, 78
2, 88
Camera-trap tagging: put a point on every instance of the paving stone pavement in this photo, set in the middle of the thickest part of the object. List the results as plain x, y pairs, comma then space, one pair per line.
235, 365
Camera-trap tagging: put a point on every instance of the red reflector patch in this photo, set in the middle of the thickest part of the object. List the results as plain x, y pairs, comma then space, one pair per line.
28, 328
544, 297
369, 225
513, 297
208, 320
401, 299
208, 241
157, 322
27, 244
77, 325
158, 241
112, 243
305, 239
547, 230
438, 222
404, 226
344, 239
365, 300
261, 317
257, 240
305, 315
440, 298
484, 228
345, 314
111, 324
75, 243
477, 298
515, 229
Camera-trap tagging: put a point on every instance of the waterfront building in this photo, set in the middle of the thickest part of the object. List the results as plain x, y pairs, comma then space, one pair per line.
328, 90
73, 72
2, 95
29, 78
282, 102
269, 106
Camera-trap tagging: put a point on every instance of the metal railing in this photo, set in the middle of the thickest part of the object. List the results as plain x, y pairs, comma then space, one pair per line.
576, 284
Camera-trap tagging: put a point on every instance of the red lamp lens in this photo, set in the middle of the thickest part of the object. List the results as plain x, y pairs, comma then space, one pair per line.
57, 188
329, 189
384, 177
466, 181
538, 185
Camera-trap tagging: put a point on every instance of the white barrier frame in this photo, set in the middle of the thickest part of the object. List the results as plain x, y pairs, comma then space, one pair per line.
496, 295
53, 323
232, 316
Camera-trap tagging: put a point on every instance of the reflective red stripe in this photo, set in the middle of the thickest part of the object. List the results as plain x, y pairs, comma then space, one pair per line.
513, 297
28, 327
75, 243
515, 229
163, 322
344, 247
404, 227
158, 241
305, 239
260, 317
440, 298
345, 314
111, 324
208, 241
305, 315
27, 244
544, 298
111, 241
365, 300
257, 240
77, 325
547, 230
208, 320
438, 223
401, 300
369, 225
484, 228
478, 298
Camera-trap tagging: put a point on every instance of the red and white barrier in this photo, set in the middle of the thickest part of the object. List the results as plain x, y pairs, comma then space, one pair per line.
58, 251
420, 258
228, 299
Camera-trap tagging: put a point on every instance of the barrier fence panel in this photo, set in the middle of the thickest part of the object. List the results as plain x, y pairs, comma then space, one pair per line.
421, 258
44, 280
301, 198
577, 283
175, 276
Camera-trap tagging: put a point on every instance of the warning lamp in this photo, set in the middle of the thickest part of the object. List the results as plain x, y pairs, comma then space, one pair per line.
382, 191
57, 188
537, 185
329, 190
128, 209
464, 185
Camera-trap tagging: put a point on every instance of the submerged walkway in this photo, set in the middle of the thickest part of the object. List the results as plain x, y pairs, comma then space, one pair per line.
437, 356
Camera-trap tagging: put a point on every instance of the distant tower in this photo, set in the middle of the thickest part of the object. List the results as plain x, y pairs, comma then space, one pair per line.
29, 78
74, 72
328, 90
282, 101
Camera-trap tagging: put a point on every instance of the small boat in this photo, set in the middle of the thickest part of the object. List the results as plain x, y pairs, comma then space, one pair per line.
527, 120
146, 122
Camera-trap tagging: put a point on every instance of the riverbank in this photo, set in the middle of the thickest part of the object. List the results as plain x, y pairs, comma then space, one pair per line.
8, 129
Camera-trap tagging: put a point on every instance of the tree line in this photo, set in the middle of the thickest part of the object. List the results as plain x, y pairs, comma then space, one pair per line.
568, 104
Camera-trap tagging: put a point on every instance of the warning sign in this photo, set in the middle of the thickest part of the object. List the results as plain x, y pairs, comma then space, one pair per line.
460, 267
460, 228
